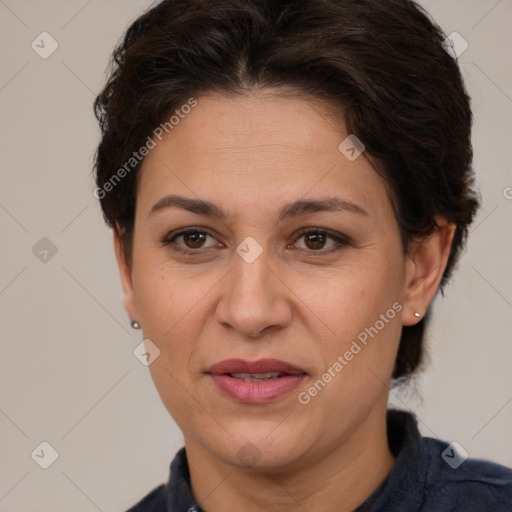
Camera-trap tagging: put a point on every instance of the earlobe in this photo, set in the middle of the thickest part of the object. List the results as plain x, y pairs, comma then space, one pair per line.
125, 273
425, 266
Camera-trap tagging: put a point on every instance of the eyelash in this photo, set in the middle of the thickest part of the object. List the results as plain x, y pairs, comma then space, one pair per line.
341, 241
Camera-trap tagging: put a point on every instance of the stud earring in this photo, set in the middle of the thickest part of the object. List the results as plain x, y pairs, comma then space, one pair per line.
417, 315
135, 324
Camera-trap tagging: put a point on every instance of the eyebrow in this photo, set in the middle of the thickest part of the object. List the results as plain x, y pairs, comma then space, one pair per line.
289, 211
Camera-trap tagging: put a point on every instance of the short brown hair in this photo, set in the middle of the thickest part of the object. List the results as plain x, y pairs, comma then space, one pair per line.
402, 93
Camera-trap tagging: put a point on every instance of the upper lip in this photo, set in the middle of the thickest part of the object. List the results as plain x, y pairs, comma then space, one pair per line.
254, 367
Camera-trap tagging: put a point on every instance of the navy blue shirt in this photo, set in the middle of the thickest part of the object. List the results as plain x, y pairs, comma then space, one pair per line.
429, 475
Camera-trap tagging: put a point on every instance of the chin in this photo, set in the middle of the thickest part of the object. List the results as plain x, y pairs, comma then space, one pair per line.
262, 447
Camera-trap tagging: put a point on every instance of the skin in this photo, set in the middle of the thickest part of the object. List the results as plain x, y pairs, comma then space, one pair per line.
251, 155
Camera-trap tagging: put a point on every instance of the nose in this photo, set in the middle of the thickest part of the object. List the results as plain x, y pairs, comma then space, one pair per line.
255, 299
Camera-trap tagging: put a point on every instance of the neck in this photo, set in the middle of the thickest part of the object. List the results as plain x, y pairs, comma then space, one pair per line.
341, 478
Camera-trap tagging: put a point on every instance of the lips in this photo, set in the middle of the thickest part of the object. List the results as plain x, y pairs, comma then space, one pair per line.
255, 382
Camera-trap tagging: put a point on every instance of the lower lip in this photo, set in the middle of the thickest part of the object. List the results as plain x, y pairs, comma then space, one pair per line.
257, 392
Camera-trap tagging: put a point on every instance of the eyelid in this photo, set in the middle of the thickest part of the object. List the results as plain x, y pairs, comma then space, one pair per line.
324, 231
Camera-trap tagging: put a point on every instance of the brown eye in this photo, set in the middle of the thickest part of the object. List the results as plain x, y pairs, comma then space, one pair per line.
315, 241
194, 240
188, 241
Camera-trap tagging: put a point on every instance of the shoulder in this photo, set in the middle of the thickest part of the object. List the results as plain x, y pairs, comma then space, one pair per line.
153, 502
470, 483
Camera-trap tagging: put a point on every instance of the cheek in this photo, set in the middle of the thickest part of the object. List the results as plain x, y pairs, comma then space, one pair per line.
164, 298
354, 297
166, 309
360, 311
179, 397
169, 308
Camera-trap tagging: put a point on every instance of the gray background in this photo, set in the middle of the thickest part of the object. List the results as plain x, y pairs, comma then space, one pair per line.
68, 375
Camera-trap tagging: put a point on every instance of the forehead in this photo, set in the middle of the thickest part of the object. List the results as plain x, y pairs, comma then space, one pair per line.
255, 149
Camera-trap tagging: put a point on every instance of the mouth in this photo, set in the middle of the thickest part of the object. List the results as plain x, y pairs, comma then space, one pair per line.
257, 377
255, 382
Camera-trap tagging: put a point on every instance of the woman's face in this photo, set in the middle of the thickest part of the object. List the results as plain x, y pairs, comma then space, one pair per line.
319, 292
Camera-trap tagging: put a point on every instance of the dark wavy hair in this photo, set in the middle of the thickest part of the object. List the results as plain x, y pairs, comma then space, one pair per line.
383, 62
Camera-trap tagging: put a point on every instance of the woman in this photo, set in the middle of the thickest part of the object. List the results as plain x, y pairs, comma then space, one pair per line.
289, 184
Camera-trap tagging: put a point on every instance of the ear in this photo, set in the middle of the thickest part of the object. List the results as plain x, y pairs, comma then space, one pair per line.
125, 273
425, 265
